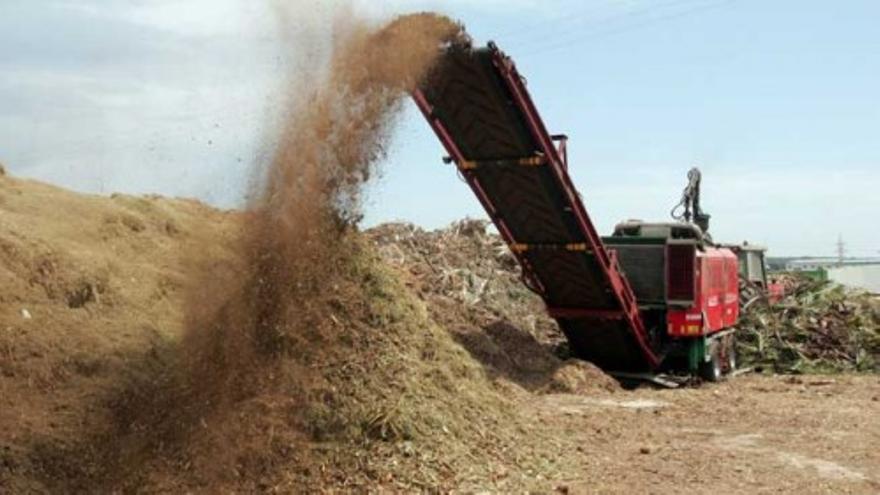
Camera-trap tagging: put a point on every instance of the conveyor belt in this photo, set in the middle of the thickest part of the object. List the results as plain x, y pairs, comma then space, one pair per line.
477, 104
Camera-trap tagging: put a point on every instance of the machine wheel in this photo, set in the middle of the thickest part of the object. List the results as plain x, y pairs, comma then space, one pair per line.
730, 362
712, 370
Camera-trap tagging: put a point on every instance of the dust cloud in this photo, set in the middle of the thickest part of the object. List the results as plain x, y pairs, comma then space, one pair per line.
293, 241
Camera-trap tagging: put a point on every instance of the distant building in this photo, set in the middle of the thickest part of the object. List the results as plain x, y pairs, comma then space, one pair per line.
862, 276
812, 264
809, 264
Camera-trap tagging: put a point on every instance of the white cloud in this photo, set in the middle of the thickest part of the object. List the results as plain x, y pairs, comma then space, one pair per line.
138, 97
193, 18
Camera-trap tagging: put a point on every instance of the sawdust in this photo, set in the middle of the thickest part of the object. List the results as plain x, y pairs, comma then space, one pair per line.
90, 292
310, 196
264, 338
580, 377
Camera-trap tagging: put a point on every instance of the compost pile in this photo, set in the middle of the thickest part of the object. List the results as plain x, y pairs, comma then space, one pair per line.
472, 285
818, 327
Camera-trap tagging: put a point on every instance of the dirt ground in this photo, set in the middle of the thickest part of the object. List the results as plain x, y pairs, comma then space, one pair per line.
752, 434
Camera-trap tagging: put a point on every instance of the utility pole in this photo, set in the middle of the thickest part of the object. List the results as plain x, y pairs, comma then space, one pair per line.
841, 250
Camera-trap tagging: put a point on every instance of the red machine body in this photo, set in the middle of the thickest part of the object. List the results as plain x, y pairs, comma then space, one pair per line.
775, 292
755, 282
716, 301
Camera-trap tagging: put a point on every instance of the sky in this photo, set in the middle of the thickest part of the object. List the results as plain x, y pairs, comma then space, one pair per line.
778, 102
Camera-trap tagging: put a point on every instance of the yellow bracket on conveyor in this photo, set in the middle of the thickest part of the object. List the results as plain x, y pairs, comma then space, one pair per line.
532, 161
521, 248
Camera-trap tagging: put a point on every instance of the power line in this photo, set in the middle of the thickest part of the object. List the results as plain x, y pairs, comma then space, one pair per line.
556, 45
560, 23
536, 32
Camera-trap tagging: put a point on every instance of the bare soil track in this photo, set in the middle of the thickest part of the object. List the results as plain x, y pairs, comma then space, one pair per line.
753, 434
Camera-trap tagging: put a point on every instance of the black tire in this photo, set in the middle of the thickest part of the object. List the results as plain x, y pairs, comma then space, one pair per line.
712, 370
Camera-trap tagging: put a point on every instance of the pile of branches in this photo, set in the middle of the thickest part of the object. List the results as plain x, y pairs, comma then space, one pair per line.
817, 327
460, 261
464, 269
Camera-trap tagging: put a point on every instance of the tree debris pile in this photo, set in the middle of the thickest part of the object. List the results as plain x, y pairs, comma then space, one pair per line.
467, 266
818, 327
472, 285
